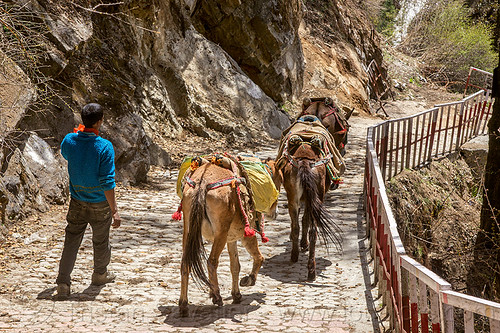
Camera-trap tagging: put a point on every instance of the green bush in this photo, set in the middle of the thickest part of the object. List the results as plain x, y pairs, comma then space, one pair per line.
449, 42
386, 20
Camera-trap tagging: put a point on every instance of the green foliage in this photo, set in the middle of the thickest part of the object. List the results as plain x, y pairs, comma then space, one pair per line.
449, 42
386, 20
415, 81
288, 108
462, 42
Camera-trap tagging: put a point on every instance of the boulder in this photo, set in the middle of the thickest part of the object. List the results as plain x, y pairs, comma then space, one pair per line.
16, 94
475, 154
22, 190
48, 168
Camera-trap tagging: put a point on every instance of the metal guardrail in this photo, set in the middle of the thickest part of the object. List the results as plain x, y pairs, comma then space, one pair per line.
483, 80
417, 299
414, 141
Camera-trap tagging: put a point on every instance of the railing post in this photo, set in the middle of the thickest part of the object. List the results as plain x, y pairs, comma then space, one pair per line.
432, 134
413, 304
435, 311
494, 326
423, 305
459, 129
468, 321
449, 320
383, 149
408, 143
391, 148
482, 107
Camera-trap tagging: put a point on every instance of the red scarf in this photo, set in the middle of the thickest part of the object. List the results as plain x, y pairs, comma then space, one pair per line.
82, 128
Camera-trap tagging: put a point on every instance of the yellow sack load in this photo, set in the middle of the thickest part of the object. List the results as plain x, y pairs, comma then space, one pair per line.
264, 191
186, 163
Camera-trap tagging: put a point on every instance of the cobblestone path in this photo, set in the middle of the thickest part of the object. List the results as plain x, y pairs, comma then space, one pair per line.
146, 258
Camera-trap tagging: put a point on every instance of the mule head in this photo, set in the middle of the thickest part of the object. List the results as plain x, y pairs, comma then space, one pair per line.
306, 102
334, 120
336, 123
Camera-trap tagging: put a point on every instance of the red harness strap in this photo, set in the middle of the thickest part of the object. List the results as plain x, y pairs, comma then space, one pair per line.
334, 112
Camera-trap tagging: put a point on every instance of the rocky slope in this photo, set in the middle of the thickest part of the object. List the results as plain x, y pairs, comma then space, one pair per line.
172, 75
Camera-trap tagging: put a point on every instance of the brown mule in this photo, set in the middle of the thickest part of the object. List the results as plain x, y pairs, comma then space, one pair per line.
304, 162
334, 120
216, 213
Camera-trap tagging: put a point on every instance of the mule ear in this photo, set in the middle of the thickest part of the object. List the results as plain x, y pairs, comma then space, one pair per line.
328, 101
349, 114
306, 102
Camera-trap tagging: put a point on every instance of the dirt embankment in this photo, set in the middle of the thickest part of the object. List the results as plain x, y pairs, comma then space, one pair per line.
438, 210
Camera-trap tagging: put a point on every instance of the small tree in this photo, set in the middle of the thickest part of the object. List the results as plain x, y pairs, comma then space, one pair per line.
448, 42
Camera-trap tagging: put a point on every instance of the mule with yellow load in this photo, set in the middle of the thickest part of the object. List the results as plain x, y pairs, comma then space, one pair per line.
223, 200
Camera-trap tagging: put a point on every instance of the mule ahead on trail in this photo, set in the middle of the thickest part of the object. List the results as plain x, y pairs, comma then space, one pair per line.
309, 162
331, 117
218, 206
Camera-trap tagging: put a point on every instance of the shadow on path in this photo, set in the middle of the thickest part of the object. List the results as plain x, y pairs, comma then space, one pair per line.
280, 268
365, 258
204, 315
89, 294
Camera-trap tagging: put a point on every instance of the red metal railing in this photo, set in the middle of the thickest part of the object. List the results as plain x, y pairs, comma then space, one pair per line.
417, 299
485, 83
413, 142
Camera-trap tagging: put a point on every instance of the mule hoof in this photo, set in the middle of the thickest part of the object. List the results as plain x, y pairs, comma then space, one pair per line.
247, 281
295, 257
237, 298
183, 312
217, 300
183, 309
311, 276
304, 247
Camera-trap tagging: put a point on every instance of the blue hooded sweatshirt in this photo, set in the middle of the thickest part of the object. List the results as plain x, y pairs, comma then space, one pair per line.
91, 165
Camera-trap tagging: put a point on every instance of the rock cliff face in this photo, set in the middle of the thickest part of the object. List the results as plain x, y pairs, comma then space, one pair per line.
216, 69
269, 29
339, 42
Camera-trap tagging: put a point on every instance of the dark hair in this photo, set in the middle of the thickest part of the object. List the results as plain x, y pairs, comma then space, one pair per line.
91, 114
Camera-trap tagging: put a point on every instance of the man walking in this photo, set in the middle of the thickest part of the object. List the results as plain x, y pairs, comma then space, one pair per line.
91, 171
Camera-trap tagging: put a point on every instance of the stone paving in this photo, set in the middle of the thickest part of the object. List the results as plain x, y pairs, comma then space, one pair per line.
146, 258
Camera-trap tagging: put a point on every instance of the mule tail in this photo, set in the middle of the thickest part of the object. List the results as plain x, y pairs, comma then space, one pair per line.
321, 219
194, 256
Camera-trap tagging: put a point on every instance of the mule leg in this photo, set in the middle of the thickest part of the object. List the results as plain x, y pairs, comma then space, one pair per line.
293, 194
232, 248
183, 299
304, 243
213, 263
293, 211
311, 263
252, 246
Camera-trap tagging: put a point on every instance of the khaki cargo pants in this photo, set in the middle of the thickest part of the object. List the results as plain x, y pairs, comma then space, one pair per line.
80, 214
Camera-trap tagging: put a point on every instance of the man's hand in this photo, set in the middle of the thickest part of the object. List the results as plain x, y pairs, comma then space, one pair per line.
110, 197
117, 220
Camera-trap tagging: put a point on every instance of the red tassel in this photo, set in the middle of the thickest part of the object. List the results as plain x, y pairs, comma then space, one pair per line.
249, 232
264, 238
178, 214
